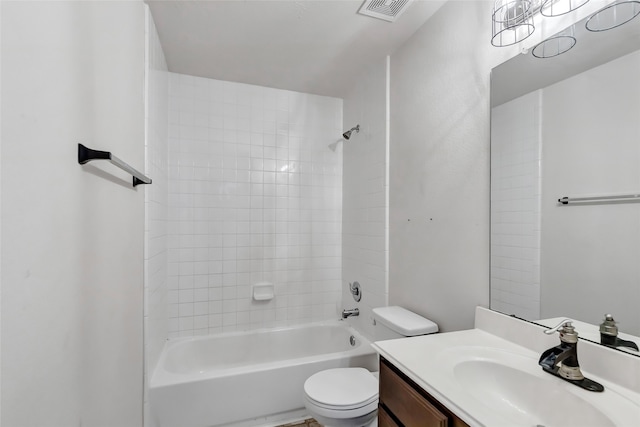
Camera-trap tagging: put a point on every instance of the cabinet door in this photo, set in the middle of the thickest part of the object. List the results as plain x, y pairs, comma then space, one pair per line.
384, 419
403, 401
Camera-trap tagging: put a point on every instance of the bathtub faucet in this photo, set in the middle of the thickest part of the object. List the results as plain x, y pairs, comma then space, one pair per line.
349, 313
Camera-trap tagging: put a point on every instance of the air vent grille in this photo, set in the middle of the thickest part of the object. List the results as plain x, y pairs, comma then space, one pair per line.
388, 10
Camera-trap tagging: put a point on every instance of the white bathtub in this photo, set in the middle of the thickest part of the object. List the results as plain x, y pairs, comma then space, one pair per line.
258, 375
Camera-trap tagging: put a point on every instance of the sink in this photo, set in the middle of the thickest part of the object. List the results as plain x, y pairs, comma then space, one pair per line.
525, 398
490, 377
514, 386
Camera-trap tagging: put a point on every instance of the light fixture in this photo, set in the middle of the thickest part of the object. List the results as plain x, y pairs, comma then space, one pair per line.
512, 22
556, 45
613, 16
560, 7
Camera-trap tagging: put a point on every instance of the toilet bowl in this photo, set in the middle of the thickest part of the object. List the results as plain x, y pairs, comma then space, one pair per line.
348, 397
342, 397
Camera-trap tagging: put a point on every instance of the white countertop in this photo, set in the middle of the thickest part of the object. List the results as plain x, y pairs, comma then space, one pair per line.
430, 361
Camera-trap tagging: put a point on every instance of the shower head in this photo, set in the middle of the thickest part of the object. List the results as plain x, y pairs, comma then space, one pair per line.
347, 134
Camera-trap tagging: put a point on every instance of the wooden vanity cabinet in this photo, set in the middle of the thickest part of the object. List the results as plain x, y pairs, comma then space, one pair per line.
404, 403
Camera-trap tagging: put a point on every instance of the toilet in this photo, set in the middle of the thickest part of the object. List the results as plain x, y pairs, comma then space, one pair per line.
348, 397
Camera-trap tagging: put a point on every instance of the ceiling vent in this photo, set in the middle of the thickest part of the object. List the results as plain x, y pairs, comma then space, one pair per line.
388, 10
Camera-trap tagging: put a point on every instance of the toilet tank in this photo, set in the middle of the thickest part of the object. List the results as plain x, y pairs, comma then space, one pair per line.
397, 322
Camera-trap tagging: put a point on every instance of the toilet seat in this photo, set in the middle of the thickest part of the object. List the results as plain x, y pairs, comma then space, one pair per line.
374, 399
343, 390
340, 414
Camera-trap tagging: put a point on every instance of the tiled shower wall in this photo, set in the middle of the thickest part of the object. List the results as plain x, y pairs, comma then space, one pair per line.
515, 206
255, 195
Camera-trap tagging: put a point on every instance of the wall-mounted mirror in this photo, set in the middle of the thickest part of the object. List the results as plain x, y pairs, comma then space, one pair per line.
568, 126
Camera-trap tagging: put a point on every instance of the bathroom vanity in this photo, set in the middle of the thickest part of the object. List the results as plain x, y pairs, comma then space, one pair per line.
490, 376
403, 402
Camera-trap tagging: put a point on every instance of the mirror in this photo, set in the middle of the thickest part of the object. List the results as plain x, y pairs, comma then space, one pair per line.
568, 126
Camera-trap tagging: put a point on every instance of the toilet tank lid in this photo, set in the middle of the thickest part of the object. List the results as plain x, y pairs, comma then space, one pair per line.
403, 321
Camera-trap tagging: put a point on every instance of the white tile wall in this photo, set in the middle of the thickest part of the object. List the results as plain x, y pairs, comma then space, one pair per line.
255, 194
156, 319
515, 206
365, 202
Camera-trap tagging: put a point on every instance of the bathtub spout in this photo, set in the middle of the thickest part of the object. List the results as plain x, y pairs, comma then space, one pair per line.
349, 313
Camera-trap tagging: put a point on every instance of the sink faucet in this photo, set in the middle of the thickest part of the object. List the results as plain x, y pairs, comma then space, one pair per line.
609, 335
562, 360
349, 313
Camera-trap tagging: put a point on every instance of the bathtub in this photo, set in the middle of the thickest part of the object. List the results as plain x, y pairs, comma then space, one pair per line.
247, 378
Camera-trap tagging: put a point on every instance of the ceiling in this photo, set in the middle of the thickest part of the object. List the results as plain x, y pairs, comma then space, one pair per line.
313, 46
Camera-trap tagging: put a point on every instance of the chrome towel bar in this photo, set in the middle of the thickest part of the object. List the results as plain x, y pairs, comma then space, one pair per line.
614, 198
86, 155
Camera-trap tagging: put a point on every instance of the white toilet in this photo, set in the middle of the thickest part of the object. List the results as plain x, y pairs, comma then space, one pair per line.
348, 397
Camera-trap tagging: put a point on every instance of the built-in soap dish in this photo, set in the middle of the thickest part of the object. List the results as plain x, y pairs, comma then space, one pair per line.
263, 291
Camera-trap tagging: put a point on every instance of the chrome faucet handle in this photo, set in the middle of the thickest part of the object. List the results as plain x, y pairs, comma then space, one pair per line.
565, 323
567, 332
355, 290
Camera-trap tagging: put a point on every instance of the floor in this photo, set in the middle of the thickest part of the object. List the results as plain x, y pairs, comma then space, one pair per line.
309, 422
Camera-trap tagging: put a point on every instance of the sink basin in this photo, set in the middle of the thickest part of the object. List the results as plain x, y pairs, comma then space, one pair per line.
515, 386
491, 378
525, 398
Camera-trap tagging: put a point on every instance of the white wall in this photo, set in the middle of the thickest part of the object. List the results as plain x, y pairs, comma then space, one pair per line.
516, 150
72, 236
439, 154
255, 194
439, 167
365, 194
156, 307
591, 146
0, 220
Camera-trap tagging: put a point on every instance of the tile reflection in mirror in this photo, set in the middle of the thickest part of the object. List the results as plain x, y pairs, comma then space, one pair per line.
567, 126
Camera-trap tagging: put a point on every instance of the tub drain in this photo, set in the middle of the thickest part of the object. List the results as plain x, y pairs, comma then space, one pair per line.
352, 340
